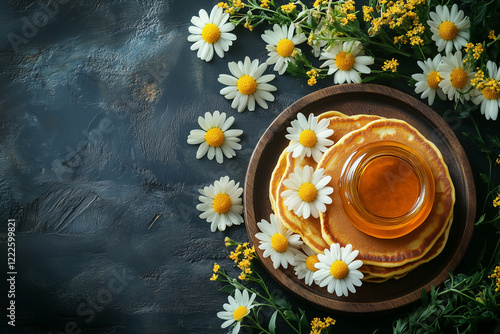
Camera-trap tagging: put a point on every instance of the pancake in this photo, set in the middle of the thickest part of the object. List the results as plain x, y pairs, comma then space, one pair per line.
309, 229
390, 253
378, 272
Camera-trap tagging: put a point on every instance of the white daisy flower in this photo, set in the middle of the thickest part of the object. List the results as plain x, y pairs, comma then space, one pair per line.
449, 28
346, 60
488, 97
221, 204
308, 137
247, 85
304, 264
281, 42
337, 270
428, 82
238, 308
215, 138
456, 79
307, 192
211, 33
279, 243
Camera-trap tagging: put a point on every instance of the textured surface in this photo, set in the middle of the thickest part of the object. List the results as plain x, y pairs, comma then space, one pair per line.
95, 107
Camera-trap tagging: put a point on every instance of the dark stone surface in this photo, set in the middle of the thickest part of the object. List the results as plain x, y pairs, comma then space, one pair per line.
96, 104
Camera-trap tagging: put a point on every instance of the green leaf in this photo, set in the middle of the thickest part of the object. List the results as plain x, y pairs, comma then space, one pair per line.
272, 322
290, 315
229, 289
424, 297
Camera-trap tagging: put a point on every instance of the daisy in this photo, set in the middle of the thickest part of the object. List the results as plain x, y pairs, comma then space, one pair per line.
346, 60
211, 33
337, 270
279, 243
449, 28
304, 264
456, 80
308, 137
281, 42
215, 138
489, 97
307, 192
428, 82
238, 307
247, 85
221, 204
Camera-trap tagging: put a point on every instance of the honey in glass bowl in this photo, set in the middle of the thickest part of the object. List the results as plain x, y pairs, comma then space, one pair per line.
387, 189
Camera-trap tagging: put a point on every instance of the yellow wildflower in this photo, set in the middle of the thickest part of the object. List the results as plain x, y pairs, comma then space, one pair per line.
223, 5
238, 4
496, 277
391, 65
230, 10
288, 8
491, 35
367, 13
469, 46
214, 277
496, 201
317, 325
216, 267
265, 3
478, 49
242, 277
248, 25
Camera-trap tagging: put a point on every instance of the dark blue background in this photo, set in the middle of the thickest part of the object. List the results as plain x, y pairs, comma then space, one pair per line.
96, 104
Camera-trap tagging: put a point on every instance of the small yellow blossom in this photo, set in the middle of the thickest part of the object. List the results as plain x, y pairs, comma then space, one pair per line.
230, 10
248, 25
496, 277
216, 267
367, 13
265, 3
214, 277
288, 8
242, 277
317, 325
496, 201
238, 4
491, 35
390, 65
223, 5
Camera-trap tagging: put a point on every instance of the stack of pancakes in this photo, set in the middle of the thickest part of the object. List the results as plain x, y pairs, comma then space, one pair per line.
383, 258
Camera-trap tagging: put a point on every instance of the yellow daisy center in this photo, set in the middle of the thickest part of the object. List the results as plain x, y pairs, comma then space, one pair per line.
490, 94
344, 61
222, 203
339, 269
433, 80
214, 137
311, 261
246, 85
279, 242
448, 30
285, 47
239, 313
210, 33
458, 78
308, 138
307, 192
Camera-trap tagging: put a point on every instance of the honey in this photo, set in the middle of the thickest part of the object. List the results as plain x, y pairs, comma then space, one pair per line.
387, 189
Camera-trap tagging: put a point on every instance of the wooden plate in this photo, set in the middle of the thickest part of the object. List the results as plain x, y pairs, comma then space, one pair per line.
352, 99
